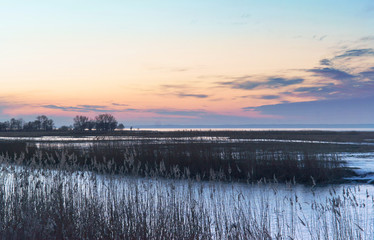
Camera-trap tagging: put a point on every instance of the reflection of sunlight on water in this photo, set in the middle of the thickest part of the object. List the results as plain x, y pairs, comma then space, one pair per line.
289, 206
259, 129
161, 140
363, 164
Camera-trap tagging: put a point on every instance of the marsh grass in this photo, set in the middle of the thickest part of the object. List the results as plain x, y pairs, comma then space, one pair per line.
68, 202
202, 159
177, 190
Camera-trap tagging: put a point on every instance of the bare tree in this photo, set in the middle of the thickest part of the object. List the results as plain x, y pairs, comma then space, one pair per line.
4, 126
106, 122
80, 123
65, 128
91, 124
45, 123
16, 124
32, 126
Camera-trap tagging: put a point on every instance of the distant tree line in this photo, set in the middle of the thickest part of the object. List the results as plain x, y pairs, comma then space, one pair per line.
102, 122
42, 123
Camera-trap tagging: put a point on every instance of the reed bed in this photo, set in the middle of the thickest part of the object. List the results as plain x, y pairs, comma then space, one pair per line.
204, 159
62, 200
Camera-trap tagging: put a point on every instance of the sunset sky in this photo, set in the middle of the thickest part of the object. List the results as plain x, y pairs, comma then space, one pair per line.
195, 62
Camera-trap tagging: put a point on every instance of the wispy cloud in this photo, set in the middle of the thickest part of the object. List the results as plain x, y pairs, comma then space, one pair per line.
321, 92
337, 78
183, 90
369, 74
319, 38
348, 82
177, 112
93, 106
331, 73
356, 53
180, 69
246, 82
281, 82
81, 108
192, 95
105, 109
322, 89
120, 104
131, 110
367, 38
249, 108
176, 87
325, 62
240, 83
269, 97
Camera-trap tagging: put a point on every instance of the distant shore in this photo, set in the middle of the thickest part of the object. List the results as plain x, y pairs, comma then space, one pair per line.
309, 135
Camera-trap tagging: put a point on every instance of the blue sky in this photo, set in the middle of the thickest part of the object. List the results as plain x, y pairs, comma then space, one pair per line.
188, 62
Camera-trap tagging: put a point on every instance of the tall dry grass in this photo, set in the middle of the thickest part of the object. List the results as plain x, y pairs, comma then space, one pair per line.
53, 197
203, 159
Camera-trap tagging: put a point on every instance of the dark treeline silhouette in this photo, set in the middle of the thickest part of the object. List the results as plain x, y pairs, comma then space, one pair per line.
102, 122
42, 123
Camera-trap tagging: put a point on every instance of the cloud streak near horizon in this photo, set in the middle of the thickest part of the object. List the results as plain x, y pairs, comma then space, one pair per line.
105, 109
250, 82
81, 108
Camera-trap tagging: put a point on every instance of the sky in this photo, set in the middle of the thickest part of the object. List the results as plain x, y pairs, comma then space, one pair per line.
194, 62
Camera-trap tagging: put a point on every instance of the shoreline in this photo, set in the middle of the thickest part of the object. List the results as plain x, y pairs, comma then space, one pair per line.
340, 136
